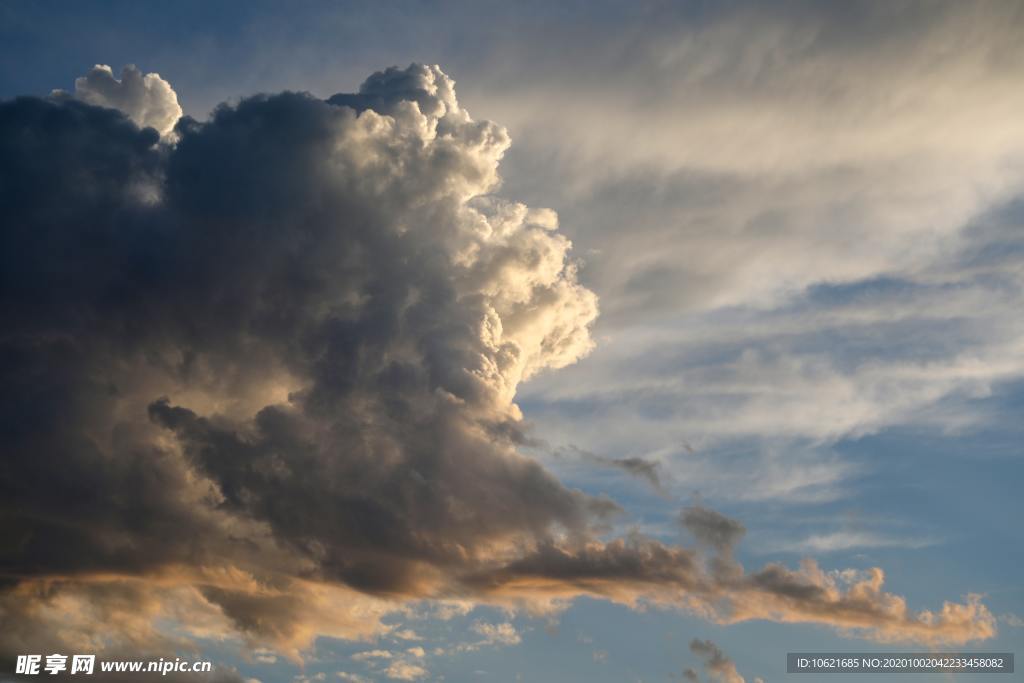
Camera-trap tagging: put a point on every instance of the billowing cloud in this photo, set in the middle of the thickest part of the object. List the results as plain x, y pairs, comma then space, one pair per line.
268, 370
147, 99
297, 361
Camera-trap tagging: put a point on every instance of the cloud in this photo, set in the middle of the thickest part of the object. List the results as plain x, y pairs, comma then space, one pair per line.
396, 665
407, 634
846, 540
335, 404
712, 528
637, 467
446, 610
801, 128
352, 678
1012, 620
806, 203
640, 571
717, 665
766, 392
148, 100
372, 654
272, 365
640, 468
498, 634
493, 635
405, 671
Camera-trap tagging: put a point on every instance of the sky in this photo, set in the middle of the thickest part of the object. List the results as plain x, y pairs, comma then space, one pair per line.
526, 341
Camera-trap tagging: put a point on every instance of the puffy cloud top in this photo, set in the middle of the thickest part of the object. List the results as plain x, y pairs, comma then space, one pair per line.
300, 326
147, 99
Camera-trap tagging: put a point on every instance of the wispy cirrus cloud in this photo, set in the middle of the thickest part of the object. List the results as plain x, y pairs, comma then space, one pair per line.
848, 540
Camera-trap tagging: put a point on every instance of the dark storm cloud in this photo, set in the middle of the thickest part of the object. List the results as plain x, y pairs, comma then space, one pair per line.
374, 522
73, 269
285, 332
262, 249
264, 368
